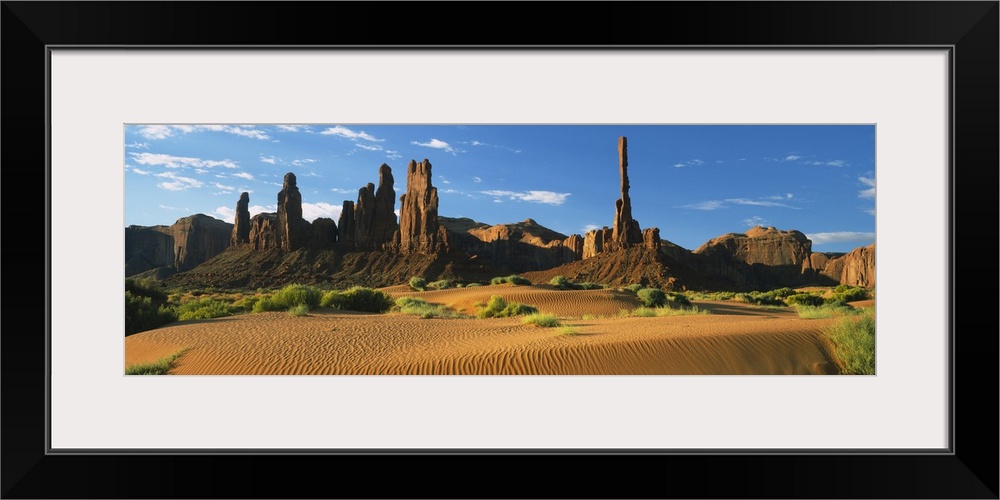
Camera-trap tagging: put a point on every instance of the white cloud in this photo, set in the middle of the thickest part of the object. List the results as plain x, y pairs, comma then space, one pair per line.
436, 144
828, 163
171, 161
290, 128
200, 171
477, 179
228, 214
679, 165
224, 187
244, 175
792, 157
138, 145
590, 227
786, 196
350, 134
867, 181
756, 203
690, 163
369, 147
870, 211
452, 191
705, 205
177, 182
443, 180
175, 209
393, 155
247, 132
311, 211
342, 191
268, 159
755, 221
546, 197
140, 171
156, 131
867, 193
841, 237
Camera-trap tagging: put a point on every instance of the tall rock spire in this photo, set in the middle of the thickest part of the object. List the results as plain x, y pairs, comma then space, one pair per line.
290, 235
418, 223
241, 228
626, 231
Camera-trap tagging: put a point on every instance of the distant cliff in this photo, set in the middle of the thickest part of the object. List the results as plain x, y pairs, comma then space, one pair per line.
178, 247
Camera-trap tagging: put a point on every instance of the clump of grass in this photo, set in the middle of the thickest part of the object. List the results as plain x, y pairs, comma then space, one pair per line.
804, 299
420, 307
634, 288
678, 298
660, 312
158, 367
288, 297
512, 279
299, 310
473, 284
498, 307
358, 298
418, 283
760, 298
545, 320
568, 330
145, 312
562, 283
854, 340
826, 311
845, 293
720, 296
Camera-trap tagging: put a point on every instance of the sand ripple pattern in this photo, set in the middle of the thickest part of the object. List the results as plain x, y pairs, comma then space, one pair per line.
331, 343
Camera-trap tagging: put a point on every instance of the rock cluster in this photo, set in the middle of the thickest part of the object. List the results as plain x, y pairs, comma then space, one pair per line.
370, 223
178, 247
856, 268
521, 246
290, 226
241, 230
761, 258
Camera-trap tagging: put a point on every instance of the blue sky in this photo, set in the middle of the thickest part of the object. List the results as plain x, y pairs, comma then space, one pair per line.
693, 182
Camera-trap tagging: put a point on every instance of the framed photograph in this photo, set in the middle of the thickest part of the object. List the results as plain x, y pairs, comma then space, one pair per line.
917, 81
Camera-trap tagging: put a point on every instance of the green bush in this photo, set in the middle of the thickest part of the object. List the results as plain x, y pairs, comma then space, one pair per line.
560, 282
358, 298
854, 340
678, 298
417, 283
760, 298
589, 286
826, 311
804, 299
659, 312
541, 319
473, 284
145, 288
420, 307
849, 294
145, 313
299, 310
568, 330
245, 304
652, 297
158, 367
634, 288
441, 285
781, 293
203, 309
512, 279
498, 307
295, 294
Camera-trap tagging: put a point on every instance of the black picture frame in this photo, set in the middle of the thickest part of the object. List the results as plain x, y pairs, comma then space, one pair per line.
969, 28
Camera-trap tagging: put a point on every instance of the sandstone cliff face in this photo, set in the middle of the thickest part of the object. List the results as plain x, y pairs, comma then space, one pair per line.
180, 247
346, 225
370, 223
419, 231
384, 225
856, 268
761, 258
596, 241
264, 232
241, 229
522, 246
651, 238
290, 236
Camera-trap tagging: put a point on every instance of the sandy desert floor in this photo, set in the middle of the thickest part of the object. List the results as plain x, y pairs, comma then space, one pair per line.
734, 339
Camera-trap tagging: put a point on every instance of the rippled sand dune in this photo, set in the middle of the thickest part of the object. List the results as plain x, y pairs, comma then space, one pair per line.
736, 339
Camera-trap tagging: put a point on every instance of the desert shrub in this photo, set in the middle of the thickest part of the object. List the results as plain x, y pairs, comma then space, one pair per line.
634, 288
512, 279
473, 284
358, 298
541, 319
295, 294
147, 287
678, 298
418, 283
782, 292
804, 299
640, 312
854, 340
849, 294
652, 297
841, 288
144, 313
560, 282
299, 310
498, 307
826, 311
420, 307
659, 312
760, 299
245, 304
158, 367
441, 285
589, 286
204, 309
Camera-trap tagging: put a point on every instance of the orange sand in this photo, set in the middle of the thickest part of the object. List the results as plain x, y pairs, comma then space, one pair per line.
735, 339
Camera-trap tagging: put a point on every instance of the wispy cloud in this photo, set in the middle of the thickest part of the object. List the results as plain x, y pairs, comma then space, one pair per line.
828, 163
755, 221
223, 187
786, 196
157, 132
268, 159
705, 205
228, 214
171, 161
792, 157
590, 227
841, 237
369, 147
137, 145
291, 128
347, 133
312, 211
484, 144
546, 197
177, 182
298, 162
756, 203
869, 192
477, 179
392, 155
719, 204
437, 144
443, 180
690, 163
342, 191
137, 170
870, 211
177, 209
244, 175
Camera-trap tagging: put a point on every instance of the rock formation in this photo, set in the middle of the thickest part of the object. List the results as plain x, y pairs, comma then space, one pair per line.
323, 232
370, 223
346, 225
651, 238
384, 225
625, 232
290, 235
264, 232
519, 247
364, 217
178, 247
856, 268
761, 258
419, 231
594, 242
241, 228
